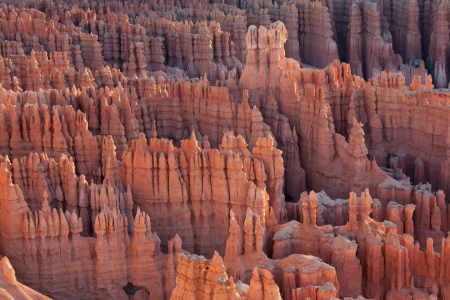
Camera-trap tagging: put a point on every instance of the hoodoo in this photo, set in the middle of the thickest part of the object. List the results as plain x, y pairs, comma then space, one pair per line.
224, 149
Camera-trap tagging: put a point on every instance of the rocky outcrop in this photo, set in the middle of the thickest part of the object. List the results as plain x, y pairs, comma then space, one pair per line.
291, 237
199, 276
11, 288
196, 186
128, 127
52, 235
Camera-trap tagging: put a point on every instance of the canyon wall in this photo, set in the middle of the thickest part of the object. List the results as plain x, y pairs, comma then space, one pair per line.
173, 149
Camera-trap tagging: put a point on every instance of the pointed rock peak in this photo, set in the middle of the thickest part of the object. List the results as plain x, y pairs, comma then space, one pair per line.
216, 259
63, 221
45, 203
367, 195
142, 141
357, 124
272, 218
248, 219
73, 219
232, 215
249, 213
148, 223
206, 145
193, 137
234, 225
42, 228
176, 243
25, 225
8, 271
15, 163
255, 273
138, 212
429, 85
172, 161
245, 97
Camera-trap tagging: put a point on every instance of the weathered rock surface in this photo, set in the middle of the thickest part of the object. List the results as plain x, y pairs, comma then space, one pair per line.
174, 149
10, 288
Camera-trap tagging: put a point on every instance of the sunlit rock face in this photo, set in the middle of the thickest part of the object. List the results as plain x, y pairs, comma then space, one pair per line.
174, 149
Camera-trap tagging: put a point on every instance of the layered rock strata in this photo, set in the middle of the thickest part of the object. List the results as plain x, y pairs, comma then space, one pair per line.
128, 127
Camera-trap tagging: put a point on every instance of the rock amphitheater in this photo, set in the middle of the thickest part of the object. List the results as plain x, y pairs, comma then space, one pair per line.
225, 149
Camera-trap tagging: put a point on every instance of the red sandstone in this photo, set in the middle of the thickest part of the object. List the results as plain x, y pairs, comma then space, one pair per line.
208, 149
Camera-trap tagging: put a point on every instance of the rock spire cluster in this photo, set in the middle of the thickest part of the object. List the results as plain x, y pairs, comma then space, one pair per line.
209, 149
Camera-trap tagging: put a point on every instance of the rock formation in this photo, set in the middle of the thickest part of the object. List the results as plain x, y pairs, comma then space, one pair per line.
207, 149
11, 288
